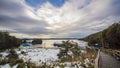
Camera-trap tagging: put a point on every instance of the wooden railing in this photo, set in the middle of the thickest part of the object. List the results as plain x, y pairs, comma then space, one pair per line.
97, 60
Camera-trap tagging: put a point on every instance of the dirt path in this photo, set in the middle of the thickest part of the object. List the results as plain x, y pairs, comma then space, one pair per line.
107, 61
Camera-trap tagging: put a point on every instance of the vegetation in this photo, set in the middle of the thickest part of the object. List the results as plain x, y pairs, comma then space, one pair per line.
69, 49
12, 55
70, 52
7, 41
3, 61
108, 38
12, 58
37, 41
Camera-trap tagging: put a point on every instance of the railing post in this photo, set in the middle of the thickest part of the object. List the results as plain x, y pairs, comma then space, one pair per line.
97, 60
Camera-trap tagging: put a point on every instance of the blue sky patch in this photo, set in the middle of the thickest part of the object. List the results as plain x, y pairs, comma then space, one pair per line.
37, 3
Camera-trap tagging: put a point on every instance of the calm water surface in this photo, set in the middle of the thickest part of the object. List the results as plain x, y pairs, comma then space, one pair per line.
49, 43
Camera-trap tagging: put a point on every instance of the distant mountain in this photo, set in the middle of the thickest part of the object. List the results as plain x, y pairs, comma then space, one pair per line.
51, 38
108, 38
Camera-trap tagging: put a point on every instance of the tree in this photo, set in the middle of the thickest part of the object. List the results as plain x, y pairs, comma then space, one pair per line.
37, 41
7, 41
109, 38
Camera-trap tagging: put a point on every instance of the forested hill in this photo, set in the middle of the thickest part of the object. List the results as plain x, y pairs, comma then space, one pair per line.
108, 38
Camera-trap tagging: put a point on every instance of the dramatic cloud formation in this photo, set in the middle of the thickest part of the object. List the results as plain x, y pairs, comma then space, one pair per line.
57, 18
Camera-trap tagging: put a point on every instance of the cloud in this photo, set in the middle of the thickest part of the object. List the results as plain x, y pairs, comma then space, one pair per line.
14, 16
38, 3
73, 18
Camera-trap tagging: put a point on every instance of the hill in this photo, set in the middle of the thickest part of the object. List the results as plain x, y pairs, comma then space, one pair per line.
108, 38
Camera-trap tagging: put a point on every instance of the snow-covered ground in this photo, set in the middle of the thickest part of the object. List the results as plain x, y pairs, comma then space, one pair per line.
47, 55
8, 66
36, 55
4, 54
39, 55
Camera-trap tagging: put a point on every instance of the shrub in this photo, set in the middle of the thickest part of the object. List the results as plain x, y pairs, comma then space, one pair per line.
90, 65
12, 64
19, 61
62, 66
12, 54
22, 52
83, 65
70, 49
1, 55
3, 61
21, 65
29, 65
12, 51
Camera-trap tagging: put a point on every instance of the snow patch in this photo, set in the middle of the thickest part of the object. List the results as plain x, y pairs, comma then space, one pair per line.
39, 55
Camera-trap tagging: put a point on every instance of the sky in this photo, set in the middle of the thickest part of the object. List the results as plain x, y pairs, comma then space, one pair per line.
57, 18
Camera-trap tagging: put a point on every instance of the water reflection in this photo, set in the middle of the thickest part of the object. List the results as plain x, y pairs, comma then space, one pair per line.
49, 43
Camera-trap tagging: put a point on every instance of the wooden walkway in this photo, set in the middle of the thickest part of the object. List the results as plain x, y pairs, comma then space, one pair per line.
107, 61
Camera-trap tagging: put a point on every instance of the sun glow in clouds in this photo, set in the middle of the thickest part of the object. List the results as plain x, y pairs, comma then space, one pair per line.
57, 18
54, 15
